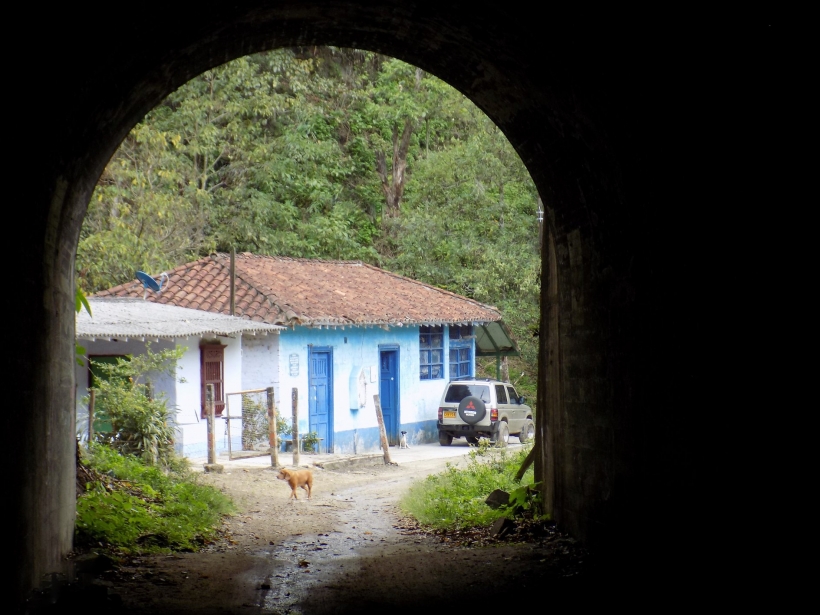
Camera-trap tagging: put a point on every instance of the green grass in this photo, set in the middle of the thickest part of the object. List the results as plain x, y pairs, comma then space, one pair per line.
454, 499
137, 508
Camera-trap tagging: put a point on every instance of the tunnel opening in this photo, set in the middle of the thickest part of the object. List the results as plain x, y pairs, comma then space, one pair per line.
586, 126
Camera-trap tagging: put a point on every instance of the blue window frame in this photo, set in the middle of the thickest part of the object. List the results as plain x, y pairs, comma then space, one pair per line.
431, 353
461, 351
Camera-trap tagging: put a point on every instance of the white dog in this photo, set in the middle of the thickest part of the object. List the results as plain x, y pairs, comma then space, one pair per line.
403, 440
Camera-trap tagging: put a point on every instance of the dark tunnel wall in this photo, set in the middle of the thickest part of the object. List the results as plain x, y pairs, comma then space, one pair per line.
618, 121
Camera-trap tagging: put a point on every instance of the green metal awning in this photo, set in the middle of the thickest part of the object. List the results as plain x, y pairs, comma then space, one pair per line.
493, 339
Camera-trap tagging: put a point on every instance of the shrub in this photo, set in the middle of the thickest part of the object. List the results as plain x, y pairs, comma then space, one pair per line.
310, 442
138, 508
139, 420
454, 499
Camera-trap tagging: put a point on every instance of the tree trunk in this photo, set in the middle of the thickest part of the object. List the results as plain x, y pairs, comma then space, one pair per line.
393, 184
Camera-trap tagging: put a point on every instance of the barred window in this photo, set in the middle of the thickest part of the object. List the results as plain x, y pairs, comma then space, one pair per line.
431, 353
461, 351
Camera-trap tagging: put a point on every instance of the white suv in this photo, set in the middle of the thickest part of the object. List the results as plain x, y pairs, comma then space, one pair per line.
473, 408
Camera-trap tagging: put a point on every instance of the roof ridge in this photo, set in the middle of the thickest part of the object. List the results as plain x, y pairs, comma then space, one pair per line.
278, 257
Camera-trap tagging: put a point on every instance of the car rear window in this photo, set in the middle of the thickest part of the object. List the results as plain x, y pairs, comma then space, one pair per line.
457, 392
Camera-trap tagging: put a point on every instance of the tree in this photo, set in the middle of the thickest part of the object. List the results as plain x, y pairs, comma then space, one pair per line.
322, 152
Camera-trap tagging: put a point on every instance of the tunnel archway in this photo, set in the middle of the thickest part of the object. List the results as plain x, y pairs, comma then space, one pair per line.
600, 121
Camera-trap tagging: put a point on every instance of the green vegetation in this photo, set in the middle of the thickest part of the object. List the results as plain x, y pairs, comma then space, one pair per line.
329, 153
133, 507
454, 499
124, 397
136, 495
310, 441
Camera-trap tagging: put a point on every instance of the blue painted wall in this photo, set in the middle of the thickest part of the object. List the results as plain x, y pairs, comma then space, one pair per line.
356, 380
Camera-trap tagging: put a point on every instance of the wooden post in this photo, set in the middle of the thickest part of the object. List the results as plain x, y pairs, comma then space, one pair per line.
295, 430
382, 430
233, 281
91, 398
210, 413
272, 436
227, 416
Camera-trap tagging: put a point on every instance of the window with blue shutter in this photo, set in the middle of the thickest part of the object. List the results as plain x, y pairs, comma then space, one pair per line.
431, 353
461, 351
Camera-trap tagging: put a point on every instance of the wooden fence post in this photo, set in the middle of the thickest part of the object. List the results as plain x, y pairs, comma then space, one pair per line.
91, 399
209, 411
273, 440
295, 431
382, 430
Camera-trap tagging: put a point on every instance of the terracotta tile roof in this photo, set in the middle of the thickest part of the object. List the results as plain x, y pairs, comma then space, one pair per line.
280, 290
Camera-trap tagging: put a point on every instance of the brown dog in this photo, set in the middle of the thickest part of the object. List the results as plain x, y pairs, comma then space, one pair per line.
297, 478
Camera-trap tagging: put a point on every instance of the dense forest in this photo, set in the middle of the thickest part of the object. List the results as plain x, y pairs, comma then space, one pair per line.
325, 153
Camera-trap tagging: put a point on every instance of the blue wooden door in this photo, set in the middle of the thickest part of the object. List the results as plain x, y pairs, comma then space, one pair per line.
389, 393
320, 398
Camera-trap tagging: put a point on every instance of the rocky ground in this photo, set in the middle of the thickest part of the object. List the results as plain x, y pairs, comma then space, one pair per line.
347, 550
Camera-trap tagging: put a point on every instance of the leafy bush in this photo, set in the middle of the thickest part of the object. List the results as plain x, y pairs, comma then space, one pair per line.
283, 426
310, 441
454, 499
139, 508
139, 421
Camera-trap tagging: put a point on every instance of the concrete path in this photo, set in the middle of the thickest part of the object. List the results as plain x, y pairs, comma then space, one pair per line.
417, 452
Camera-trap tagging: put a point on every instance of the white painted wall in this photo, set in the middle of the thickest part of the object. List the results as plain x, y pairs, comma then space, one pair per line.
192, 430
194, 435
260, 362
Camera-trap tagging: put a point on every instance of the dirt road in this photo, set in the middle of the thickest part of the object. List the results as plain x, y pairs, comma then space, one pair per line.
347, 550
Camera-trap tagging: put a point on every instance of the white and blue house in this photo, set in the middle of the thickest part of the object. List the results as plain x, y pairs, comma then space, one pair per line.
351, 331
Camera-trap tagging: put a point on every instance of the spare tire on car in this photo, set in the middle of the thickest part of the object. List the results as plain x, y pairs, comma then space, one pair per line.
471, 410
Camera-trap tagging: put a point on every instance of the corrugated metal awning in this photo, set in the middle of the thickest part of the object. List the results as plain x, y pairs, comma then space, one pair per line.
123, 318
493, 339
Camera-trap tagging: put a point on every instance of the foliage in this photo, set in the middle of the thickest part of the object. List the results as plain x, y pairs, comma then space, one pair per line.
330, 153
283, 426
524, 500
138, 508
255, 422
454, 499
80, 303
310, 441
139, 420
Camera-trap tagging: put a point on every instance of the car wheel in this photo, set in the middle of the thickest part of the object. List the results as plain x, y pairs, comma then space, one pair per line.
471, 410
527, 431
472, 440
444, 438
502, 436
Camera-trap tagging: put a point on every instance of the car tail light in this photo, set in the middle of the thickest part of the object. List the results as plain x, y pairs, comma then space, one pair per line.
493, 414
440, 415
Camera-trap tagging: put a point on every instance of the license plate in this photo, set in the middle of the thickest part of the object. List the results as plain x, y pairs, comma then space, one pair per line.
449, 414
